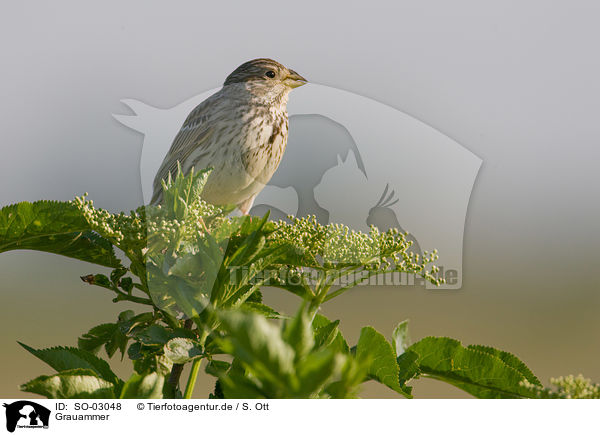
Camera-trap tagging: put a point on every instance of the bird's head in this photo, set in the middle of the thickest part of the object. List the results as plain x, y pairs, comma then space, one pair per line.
265, 77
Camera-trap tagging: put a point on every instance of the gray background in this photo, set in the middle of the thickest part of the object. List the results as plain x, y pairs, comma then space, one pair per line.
514, 82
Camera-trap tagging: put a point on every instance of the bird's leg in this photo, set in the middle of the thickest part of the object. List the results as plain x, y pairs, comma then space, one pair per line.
246, 205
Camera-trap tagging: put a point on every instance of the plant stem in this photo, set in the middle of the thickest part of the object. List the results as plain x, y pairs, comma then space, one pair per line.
321, 289
125, 297
191, 383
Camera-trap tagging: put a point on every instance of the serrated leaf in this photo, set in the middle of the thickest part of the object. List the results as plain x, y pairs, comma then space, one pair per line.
383, 367
510, 360
56, 227
258, 343
217, 392
182, 350
153, 335
263, 310
117, 274
298, 290
339, 343
66, 358
99, 280
480, 373
408, 369
250, 246
325, 335
148, 386
108, 335
71, 384
217, 368
96, 337
255, 297
128, 322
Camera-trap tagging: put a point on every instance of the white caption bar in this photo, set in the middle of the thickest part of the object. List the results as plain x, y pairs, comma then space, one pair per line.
299, 416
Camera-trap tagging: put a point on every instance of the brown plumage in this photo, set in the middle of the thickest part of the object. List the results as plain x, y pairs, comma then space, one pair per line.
240, 131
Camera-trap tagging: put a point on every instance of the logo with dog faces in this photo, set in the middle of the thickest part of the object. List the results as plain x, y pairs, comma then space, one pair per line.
25, 414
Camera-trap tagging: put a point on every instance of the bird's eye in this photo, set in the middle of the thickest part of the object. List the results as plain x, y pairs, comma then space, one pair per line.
270, 74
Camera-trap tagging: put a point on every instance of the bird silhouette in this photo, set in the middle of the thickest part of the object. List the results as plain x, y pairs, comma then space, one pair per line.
384, 217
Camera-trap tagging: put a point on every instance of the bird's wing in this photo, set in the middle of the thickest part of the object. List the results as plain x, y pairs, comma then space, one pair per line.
194, 133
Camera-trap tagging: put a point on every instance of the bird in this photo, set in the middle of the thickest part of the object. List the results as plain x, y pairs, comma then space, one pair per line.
240, 132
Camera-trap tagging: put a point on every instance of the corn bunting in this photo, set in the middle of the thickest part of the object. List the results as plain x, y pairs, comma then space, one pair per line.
240, 131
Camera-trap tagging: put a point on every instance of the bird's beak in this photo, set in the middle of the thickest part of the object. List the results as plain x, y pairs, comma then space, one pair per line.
293, 80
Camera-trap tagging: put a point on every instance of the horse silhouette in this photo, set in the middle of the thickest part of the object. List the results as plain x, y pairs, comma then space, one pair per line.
32, 410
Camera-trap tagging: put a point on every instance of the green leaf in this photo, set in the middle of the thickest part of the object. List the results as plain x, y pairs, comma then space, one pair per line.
117, 274
478, 372
200, 267
510, 360
353, 374
148, 386
339, 343
401, 341
316, 369
107, 334
135, 351
251, 245
297, 289
153, 335
255, 297
56, 227
71, 384
181, 350
297, 332
99, 280
383, 367
217, 368
217, 392
66, 358
96, 337
149, 363
128, 322
325, 335
263, 310
258, 343
126, 284
292, 254
166, 291
408, 369
236, 385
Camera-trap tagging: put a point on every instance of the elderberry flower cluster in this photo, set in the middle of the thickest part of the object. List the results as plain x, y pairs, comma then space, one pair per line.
567, 387
183, 220
338, 245
126, 231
